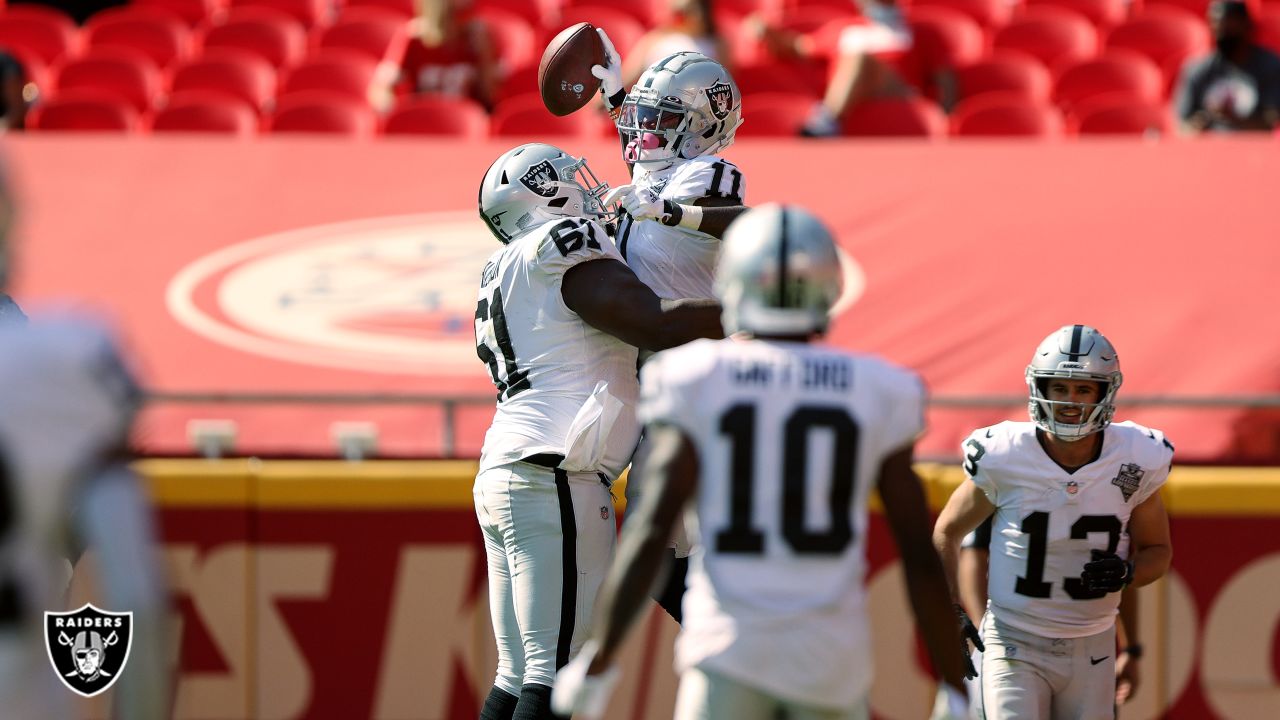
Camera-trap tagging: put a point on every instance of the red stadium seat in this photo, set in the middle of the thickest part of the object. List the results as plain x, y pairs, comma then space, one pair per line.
206, 111
89, 110
1195, 8
515, 41
535, 13
564, 16
1052, 35
406, 9
1119, 72
36, 70
344, 72
1005, 115
272, 35
623, 29
1104, 14
1267, 28
519, 82
238, 73
525, 115
379, 34
324, 113
793, 77
436, 115
894, 117
191, 12
990, 14
44, 32
1168, 37
943, 38
1120, 116
156, 32
1005, 71
774, 114
308, 12
126, 74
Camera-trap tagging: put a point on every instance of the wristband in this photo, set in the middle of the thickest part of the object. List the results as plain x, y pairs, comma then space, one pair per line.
1133, 651
685, 216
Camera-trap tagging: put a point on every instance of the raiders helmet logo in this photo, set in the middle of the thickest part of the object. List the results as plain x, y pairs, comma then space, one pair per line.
1128, 480
541, 178
88, 647
720, 96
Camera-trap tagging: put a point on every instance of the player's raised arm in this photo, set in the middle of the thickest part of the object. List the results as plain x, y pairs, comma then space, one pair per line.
907, 511
609, 297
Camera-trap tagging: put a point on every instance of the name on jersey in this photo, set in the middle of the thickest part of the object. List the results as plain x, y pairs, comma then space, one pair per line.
814, 374
88, 622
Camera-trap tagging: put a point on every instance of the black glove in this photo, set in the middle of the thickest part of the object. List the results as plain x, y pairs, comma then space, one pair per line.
1106, 572
968, 633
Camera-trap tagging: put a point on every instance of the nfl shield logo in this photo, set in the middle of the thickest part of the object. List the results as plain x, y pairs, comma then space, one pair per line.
1073, 487
88, 648
604, 512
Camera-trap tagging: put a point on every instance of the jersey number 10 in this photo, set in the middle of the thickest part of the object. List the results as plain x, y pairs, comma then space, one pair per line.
741, 536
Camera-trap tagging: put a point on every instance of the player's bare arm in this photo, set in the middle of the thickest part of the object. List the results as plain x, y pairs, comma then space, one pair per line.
671, 478
907, 511
964, 511
609, 297
1152, 547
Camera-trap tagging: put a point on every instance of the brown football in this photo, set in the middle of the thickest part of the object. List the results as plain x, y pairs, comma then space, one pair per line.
564, 75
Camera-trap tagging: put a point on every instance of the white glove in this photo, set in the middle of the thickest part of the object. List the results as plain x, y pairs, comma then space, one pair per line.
578, 694
610, 73
950, 704
634, 202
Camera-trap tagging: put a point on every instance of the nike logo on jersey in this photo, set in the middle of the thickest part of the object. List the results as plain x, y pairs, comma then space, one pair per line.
1095, 661
989, 434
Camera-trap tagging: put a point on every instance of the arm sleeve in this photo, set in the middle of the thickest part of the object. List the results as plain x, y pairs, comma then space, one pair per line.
973, 449
570, 242
710, 178
665, 396
1156, 477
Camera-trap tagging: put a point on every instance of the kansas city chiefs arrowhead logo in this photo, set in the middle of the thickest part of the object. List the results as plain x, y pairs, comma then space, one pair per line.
88, 647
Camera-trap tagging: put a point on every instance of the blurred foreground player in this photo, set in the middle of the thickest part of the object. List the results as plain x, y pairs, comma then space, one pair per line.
1078, 519
772, 447
66, 406
558, 320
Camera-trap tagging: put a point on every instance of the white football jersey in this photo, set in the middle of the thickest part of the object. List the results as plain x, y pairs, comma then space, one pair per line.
677, 262
563, 386
66, 404
790, 439
1047, 520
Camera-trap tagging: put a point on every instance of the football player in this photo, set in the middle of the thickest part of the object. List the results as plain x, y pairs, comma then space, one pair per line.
772, 446
67, 405
682, 112
1078, 519
558, 321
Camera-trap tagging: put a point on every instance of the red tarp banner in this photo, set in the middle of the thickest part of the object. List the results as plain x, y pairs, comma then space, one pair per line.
311, 266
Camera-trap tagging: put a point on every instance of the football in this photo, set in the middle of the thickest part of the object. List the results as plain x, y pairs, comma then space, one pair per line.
564, 75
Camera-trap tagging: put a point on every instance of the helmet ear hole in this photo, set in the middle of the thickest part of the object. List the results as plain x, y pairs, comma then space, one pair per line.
558, 202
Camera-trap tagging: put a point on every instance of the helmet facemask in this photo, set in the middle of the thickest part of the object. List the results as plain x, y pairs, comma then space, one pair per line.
1073, 352
655, 128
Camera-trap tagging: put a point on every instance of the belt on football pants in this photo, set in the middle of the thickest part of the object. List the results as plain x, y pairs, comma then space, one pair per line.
551, 461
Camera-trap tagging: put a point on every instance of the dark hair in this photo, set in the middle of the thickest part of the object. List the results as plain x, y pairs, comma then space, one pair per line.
1223, 9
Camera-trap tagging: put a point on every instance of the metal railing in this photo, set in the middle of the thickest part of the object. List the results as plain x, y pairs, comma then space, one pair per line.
449, 403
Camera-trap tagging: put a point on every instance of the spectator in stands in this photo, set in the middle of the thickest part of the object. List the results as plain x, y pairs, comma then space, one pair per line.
1237, 86
862, 71
13, 88
688, 25
451, 55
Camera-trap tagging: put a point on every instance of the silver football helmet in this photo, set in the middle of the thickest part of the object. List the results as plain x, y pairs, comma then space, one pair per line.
778, 273
534, 183
1078, 352
683, 106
